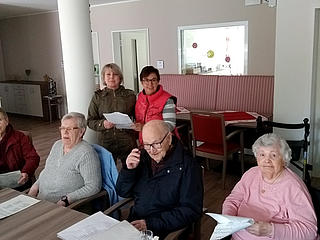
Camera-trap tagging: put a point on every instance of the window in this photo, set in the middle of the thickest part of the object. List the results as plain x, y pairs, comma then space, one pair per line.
217, 49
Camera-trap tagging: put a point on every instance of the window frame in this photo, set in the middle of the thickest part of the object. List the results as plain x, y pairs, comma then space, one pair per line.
213, 25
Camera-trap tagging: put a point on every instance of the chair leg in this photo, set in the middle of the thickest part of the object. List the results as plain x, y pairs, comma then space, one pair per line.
224, 170
207, 164
242, 161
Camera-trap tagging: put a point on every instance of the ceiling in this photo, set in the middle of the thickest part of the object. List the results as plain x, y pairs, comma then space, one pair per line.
15, 8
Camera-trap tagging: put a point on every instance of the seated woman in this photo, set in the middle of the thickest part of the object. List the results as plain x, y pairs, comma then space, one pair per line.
153, 102
16, 153
275, 197
72, 170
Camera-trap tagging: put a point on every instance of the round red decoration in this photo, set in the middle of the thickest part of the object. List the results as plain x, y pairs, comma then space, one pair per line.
194, 45
227, 59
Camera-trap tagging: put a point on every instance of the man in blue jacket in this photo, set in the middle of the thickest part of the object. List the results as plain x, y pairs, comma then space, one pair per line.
165, 182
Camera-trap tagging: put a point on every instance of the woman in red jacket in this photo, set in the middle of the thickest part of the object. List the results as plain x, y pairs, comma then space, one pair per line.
16, 153
153, 102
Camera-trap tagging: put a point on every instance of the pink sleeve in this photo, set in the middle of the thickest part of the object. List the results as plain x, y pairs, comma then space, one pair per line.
232, 202
303, 223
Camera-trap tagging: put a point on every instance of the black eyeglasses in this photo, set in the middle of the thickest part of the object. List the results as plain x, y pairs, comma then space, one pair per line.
146, 80
155, 145
67, 129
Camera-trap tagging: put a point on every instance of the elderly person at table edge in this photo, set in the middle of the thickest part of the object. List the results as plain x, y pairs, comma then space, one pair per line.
275, 197
72, 169
153, 103
16, 152
113, 98
165, 182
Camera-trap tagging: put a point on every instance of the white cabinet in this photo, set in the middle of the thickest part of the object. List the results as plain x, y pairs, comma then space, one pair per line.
21, 98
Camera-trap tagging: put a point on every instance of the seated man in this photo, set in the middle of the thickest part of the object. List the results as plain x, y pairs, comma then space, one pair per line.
164, 181
16, 153
72, 170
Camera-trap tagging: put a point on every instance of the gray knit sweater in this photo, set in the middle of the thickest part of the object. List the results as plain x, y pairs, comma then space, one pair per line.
76, 174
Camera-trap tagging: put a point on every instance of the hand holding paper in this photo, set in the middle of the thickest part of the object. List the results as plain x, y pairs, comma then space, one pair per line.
228, 225
120, 120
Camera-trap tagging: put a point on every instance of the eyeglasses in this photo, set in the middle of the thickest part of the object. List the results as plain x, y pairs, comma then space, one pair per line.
146, 80
67, 129
155, 145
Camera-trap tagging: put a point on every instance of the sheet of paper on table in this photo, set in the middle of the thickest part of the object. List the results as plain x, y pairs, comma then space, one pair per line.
88, 227
10, 179
120, 231
121, 120
226, 225
15, 205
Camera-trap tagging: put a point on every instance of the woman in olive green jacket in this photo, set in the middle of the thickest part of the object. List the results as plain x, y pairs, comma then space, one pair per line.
113, 98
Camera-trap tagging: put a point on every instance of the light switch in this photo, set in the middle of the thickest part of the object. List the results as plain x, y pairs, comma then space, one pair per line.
160, 64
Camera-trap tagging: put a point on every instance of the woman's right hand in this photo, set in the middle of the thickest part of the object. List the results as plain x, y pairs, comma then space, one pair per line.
108, 124
133, 159
137, 127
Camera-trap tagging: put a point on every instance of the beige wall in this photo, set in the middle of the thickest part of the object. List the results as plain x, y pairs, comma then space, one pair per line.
32, 42
163, 17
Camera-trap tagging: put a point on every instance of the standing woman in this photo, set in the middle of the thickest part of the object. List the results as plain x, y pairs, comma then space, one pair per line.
153, 102
113, 98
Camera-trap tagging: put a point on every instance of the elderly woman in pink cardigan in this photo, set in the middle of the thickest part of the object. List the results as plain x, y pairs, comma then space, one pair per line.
275, 197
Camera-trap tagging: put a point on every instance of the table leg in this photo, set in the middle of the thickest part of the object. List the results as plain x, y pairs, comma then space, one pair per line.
50, 114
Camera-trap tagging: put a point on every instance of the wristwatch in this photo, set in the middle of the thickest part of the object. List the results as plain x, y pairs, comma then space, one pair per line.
65, 200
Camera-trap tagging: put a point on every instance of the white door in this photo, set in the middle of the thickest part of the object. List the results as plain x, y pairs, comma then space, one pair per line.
131, 53
315, 111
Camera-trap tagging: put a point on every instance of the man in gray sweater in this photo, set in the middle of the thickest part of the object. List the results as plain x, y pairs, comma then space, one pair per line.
72, 169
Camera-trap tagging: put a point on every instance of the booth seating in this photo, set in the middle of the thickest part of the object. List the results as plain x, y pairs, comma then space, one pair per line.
246, 93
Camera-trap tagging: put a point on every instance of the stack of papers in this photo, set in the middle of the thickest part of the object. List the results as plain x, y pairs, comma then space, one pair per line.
228, 225
88, 227
120, 231
15, 205
120, 120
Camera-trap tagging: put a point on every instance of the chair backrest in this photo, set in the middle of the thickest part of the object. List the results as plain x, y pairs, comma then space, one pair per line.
297, 146
208, 127
109, 172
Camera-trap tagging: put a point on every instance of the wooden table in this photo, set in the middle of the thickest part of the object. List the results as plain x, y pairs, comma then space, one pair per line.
243, 124
41, 221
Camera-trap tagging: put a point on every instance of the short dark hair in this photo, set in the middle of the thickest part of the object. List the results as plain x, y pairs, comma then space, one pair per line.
147, 70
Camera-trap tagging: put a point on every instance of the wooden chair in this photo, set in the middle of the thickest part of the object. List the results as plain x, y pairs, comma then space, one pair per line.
209, 128
299, 148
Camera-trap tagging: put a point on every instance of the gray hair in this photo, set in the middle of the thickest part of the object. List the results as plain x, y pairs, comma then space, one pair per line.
115, 68
272, 139
5, 115
81, 119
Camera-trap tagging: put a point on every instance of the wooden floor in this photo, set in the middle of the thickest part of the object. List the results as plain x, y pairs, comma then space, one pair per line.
45, 134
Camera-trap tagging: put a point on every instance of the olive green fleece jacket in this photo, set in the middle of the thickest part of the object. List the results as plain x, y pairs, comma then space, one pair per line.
119, 142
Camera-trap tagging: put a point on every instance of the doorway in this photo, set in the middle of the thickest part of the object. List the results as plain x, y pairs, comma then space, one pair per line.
315, 102
131, 53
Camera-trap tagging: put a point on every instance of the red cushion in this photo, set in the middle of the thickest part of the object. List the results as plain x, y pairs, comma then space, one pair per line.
217, 148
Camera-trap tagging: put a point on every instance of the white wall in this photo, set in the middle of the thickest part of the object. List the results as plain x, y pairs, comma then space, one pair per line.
294, 61
162, 18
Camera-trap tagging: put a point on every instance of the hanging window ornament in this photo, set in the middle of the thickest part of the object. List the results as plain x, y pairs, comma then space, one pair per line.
210, 54
194, 45
227, 58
